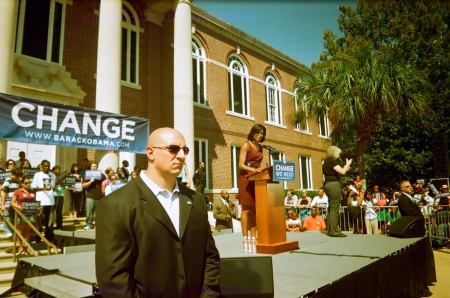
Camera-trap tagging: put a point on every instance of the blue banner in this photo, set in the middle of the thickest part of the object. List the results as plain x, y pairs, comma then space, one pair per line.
283, 170
35, 121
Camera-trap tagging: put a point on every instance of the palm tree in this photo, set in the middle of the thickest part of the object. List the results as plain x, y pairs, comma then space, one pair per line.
358, 92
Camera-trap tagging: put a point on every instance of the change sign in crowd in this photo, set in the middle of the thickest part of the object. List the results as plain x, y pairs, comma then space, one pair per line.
35, 121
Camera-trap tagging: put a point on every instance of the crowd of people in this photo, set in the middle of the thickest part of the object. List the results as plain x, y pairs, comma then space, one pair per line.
83, 185
371, 209
157, 205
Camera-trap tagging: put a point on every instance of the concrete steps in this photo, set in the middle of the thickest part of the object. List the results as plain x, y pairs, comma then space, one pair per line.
6, 279
8, 267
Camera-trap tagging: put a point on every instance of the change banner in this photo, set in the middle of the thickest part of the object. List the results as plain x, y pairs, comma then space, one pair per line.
35, 121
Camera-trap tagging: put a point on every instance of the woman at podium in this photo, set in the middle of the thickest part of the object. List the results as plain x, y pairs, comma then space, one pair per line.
250, 159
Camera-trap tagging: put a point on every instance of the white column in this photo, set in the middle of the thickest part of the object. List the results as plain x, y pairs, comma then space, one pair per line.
183, 90
109, 56
109, 69
7, 36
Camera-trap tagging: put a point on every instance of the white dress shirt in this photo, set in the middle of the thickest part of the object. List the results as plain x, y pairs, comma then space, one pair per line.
169, 201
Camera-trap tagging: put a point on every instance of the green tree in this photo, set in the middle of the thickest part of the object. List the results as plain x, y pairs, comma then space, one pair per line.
418, 31
394, 155
358, 92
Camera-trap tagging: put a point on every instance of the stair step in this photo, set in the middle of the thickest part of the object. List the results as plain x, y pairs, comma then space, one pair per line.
8, 267
4, 243
6, 279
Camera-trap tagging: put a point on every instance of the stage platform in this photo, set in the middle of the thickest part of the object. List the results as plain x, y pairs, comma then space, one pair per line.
323, 260
356, 266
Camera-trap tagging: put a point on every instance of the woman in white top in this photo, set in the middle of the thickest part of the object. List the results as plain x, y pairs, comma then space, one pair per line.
354, 207
110, 187
293, 222
370, 215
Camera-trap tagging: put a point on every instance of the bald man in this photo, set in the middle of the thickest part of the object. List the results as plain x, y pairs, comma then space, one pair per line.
406, 202
153, 238
223, 211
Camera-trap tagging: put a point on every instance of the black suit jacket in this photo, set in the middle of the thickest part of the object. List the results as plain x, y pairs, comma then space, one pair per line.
407, 207
138, 251
126, 173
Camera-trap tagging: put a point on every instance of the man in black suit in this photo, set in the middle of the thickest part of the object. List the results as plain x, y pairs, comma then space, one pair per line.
406, 202
153, 238
126, 172
408, 207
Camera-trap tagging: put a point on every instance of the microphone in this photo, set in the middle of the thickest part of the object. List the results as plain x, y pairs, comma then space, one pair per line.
270, 148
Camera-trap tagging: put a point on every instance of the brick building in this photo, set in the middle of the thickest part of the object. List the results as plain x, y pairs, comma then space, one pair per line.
127, 62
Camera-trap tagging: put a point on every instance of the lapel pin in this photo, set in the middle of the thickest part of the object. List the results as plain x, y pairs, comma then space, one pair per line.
189, 202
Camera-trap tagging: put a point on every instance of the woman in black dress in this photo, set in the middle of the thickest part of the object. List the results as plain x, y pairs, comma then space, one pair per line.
331, 171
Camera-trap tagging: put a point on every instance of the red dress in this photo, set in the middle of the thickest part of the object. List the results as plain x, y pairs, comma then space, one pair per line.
246, 187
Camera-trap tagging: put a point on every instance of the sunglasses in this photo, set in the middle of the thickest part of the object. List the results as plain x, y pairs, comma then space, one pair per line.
25, 183
174, 149
11, 163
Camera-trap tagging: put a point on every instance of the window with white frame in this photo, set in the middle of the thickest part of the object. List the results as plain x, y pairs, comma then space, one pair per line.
276, 156
273, 96
201, 154
40, 29
305, 172
235, 151
238, 86
198, 69
324, 129
130, 44
303, 125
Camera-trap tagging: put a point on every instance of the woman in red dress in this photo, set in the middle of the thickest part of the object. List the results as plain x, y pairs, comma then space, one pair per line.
250, 158
23, 194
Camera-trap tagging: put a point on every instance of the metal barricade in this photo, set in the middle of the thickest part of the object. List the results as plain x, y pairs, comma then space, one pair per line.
437, 224
351, 218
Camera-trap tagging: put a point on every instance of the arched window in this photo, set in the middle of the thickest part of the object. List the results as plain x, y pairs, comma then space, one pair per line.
198, 69
130, 44
40, 29
273, 96
238, 86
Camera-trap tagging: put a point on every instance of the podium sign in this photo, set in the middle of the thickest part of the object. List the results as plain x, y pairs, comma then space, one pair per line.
270, 220
283, 170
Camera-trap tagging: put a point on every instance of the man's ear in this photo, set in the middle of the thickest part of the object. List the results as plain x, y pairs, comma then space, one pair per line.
150, 153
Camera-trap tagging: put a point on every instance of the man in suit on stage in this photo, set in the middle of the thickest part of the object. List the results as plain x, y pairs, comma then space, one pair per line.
153, 238
223, 211
406, 202
408, 207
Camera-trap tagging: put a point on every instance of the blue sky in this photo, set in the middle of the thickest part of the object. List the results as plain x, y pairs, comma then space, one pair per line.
294, 27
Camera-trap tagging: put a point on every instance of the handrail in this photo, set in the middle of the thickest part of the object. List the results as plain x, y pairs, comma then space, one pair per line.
26, 243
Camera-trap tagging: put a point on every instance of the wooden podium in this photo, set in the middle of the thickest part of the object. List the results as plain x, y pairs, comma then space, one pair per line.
270, 220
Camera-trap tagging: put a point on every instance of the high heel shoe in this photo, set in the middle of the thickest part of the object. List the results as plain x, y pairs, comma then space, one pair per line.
23, 252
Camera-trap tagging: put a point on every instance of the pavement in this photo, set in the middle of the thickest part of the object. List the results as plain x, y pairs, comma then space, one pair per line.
442, 261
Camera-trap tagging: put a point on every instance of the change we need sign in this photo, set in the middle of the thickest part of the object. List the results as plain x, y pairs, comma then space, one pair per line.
283, 170
35, 121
